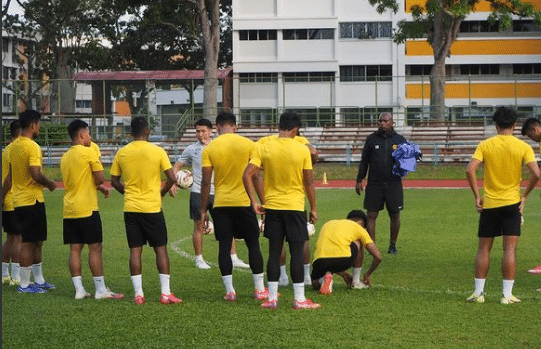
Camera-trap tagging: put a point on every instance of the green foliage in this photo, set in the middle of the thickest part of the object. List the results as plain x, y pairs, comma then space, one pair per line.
52, 134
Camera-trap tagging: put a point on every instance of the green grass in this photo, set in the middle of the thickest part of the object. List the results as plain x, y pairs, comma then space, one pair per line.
418, 298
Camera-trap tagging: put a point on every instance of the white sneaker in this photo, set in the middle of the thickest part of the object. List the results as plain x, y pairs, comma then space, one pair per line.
283, 280
108, 294
201, 264
510, 300
239, 263
359, 286
82, 294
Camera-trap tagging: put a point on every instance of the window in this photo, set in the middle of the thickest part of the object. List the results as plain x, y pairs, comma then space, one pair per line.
6, 100
478, 27
479, 69
5, 43
253, 35
308, 34
365, 30
308, 76
83, 103
366, 72
525, 26
416, 70
534, 68
258, 77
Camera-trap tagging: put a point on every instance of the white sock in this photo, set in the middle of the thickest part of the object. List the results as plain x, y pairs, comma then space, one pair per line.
234, 257
508, 288
5, 269
307, 272
99, 284
273, 290
259, 282
479, 286
78, 283
357, 275
25, 276
228, 283
137, 281
283, 271
164, 283
15, 268
298, 290
38, 273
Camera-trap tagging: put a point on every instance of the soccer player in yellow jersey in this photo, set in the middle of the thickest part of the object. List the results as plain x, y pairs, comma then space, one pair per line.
82, 172
140, 164
288, 177
27, 180
12, 245
501, 207
338, 248
227, 156
532, 129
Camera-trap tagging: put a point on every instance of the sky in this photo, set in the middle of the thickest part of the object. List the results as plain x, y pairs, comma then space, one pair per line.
14, 8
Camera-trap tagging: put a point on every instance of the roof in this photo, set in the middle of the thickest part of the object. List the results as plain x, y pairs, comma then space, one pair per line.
148, 75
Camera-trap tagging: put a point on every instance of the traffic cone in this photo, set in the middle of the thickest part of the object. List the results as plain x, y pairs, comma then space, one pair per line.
325, 178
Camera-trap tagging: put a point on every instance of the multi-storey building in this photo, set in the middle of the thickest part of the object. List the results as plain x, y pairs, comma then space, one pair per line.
334, 61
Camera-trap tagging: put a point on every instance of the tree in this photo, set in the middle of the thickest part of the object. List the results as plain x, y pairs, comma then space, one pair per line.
439, 21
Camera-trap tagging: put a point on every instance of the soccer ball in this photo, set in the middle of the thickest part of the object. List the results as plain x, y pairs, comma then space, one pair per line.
209, 229
311, 229
184, 179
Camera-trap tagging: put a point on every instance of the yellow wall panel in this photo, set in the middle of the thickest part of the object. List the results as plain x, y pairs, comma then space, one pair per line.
482, 6
478, 90
480, 47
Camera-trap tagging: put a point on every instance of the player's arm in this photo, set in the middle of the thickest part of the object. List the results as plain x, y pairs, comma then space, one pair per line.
373, 250
176, 167
309, 189
206, 179
313, 153
532, 182
363, 167
99, 179
249, 177
39, 177
6, 185
117, 184
169, 181
472, 181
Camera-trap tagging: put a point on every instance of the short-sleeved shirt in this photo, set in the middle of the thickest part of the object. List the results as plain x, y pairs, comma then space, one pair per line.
95, 147
25, 153
80, 196
228, 155
284, 160
140, 163
503, 156
336, 236
8, 200
300, 139
192, 156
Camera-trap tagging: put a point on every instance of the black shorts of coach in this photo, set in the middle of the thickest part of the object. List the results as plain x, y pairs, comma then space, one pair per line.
143, 228
235, 222
31, 222
500, 221
85, 230
291, 224
335, 264
195, 205
391, 194
8, 218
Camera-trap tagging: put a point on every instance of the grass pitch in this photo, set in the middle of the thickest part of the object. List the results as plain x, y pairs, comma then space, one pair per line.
418, 297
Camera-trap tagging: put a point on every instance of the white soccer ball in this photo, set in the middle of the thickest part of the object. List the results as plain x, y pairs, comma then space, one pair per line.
311, 229
209, 229
184, 179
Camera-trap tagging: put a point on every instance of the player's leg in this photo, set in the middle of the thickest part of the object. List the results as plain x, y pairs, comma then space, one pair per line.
223, 232
40, 227
284, 279
237, 262
15, 265
394, 201
7, 248
197, 235
511, 233
306, 262
134, 235
74, 263
395, 228
247, 227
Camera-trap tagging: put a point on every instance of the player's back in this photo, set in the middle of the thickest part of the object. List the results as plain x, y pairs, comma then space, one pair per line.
25, 153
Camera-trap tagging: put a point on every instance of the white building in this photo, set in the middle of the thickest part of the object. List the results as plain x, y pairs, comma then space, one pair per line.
334, 60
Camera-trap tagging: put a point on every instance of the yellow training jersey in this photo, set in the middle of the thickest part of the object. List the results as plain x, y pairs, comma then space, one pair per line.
25, 153
228, 155
284, 160
80, 196
300, 139
140, 163
8, 200
96, 149
336, 237
503, 156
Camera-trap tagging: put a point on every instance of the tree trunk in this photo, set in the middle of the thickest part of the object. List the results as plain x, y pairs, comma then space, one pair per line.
437, 92
66, 87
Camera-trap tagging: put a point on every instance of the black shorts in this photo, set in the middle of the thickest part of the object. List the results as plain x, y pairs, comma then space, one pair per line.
31, 222
499, 221
7, 222
335, 265
291, 224
390, 194
143, 228
86, 230
195, 205
237, 222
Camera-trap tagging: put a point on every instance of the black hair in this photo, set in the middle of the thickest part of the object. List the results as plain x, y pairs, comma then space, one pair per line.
138, 126
226, 118
529, 124
15, 128
204, 122
74, 127
28, 117
288, 121
505, 117
356, 215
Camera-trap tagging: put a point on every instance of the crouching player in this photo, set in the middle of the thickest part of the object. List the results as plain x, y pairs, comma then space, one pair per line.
338, 248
